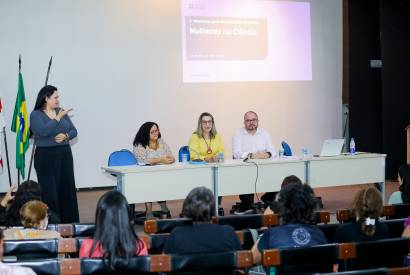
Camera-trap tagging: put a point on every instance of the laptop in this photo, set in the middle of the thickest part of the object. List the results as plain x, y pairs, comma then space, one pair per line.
332, 147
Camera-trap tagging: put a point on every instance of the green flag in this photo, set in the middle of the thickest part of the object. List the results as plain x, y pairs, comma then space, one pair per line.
20, 127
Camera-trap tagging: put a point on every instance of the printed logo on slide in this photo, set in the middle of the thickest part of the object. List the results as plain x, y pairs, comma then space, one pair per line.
226, 38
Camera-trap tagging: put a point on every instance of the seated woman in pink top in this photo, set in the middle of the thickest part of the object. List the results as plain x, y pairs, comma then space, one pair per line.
114, 239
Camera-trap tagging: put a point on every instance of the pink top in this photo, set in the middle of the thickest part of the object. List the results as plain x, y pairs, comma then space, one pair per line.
407, 221
98, 253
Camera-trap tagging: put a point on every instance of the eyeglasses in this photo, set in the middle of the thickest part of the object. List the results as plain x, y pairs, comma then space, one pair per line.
154, 131
251, 120
207, 122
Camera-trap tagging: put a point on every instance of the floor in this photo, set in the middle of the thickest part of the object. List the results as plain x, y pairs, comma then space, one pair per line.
333, 198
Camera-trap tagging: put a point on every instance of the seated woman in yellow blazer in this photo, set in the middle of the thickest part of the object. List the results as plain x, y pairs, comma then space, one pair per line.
205, 143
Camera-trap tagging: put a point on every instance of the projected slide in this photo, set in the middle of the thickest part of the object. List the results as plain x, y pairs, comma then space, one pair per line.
245, 40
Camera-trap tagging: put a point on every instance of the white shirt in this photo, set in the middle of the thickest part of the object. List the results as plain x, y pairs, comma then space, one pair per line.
244, 143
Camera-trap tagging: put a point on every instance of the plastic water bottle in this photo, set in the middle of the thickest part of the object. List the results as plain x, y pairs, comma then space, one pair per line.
304, 152
220, 157
281, 153
184, 157
352, 147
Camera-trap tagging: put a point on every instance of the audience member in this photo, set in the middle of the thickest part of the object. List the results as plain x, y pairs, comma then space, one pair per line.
8, 269
403, 195
34, 217
296, 208
150, 148
202, 236
367, 206
114, 239
273, 207
406, 231
11, 204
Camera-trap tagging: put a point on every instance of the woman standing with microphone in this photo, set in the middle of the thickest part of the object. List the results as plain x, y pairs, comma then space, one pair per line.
53, 160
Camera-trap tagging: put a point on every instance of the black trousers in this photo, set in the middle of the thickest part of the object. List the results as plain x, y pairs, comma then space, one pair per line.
247, 199
55, 174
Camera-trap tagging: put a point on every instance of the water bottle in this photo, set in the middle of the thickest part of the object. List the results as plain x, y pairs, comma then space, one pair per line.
281, 153
352, 147
220, 157
184, 157
304, 152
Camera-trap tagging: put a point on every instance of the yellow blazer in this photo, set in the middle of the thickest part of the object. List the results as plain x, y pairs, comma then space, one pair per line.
198, 147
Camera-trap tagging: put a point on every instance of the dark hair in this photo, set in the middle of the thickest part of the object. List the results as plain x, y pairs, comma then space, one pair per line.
368, 204
404, 174
199, 205
297, 204
274, 205
290, 179
44, 93
114, 232
27, 191
142, 136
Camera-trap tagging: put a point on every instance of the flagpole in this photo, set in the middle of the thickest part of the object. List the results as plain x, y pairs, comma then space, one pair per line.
18, 170
33, 151
7, 154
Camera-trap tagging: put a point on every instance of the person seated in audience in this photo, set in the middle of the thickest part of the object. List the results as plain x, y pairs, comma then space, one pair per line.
114, 239
202, 236
34, 217
296, 209
403, 195
273, 207
11, 269
367, 206
151, 149
11, 204
406, 231
205, 143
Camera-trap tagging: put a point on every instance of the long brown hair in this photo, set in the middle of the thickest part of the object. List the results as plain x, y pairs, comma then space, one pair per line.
368, 204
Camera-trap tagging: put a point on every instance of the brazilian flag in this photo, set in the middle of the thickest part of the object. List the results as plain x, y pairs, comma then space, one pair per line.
20, 127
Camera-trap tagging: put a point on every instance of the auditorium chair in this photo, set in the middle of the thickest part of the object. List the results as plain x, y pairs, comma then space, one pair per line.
165, 225
320, 258
397, 211
39, 248
158, 264
380, 253
73, 229
394, 211
374, 271
238, 222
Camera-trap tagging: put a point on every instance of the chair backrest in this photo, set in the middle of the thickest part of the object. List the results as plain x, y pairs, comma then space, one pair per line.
184, 150
298, 260
121, 158
380, 253
41, 248
239, 222
373, 271
136, 265
213, 262
397, 211
164, 226
286, 149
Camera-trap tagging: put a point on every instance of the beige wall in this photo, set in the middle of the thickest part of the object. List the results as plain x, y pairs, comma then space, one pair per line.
118, 64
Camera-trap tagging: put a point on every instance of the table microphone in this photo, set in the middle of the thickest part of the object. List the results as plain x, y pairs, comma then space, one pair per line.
247, 157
